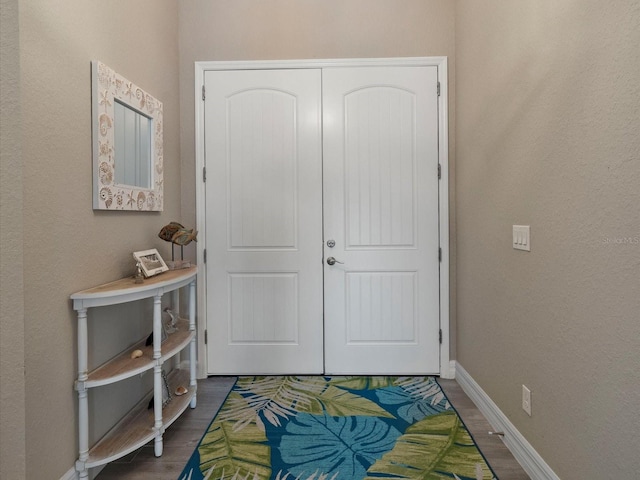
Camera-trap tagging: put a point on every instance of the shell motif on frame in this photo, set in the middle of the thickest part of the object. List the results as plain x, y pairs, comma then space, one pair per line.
110, 87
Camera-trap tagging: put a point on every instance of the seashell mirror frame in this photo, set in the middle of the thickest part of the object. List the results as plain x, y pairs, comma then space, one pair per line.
127, 144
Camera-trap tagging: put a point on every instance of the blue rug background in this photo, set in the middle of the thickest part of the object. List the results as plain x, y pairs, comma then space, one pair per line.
316, 445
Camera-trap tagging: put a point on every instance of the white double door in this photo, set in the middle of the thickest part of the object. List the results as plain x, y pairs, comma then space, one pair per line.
309, 165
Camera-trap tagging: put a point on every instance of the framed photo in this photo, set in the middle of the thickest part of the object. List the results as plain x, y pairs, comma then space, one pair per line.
150, 262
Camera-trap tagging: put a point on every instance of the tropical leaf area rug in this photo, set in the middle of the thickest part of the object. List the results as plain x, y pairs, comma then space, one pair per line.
336, 428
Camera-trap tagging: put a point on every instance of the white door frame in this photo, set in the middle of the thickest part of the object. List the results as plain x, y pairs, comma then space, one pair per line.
443, 139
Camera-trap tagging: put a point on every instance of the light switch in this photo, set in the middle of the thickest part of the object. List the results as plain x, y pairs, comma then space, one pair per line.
522, 237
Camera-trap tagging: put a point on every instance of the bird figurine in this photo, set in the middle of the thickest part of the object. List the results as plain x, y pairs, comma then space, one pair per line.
177, 234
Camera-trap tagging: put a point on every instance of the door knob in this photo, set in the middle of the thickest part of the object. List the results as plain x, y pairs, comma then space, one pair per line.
333, 261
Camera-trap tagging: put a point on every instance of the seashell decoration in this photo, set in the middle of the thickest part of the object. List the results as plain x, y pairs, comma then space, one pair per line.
105, 173
106, 196
141, 200
151, 201
110, 88
181, 390
104, 124
136, 354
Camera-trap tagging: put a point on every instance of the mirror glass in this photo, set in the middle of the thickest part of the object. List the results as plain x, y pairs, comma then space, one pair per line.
127, 144
132, 146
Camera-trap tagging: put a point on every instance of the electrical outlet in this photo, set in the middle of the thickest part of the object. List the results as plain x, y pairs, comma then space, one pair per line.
526, 400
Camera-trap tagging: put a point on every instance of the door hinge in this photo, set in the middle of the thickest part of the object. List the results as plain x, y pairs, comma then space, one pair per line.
439, 336
439, 171
440, 254
204, 256
206, 338
204, 174
204, 96
437, 88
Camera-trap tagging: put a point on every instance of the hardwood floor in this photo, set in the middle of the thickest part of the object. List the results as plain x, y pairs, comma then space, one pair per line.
182, 437
497, 454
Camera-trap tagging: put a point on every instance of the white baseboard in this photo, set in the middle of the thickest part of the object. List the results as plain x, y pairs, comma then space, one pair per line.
524, 453
70, 475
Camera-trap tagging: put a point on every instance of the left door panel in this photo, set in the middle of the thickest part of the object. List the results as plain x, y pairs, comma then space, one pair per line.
264, 221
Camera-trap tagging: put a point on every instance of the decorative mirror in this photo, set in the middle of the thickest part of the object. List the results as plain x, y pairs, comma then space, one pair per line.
127, 144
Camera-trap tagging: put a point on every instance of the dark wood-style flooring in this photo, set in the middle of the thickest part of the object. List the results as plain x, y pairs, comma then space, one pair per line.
182, 437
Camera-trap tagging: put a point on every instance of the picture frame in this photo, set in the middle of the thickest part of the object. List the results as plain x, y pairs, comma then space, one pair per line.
150, 261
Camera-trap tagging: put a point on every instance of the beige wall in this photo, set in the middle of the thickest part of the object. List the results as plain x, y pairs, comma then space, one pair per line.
310, 29
548, 135
12, 381
67, 246
547, 107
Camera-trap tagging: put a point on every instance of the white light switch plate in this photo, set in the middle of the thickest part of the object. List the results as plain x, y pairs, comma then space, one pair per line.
522, 237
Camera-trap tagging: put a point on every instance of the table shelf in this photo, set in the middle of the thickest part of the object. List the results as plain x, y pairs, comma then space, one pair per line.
143, 422
136, 428
123, 366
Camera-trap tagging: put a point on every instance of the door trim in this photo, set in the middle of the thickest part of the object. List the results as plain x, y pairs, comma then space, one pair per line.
443, 193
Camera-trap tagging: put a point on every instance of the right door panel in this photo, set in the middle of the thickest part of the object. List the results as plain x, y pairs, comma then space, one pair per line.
380, 189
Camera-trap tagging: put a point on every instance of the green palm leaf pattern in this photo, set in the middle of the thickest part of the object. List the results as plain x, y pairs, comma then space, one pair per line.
362, 383
428, 449
340, 403
418, 387
235, 453
422, 387
280, 398
277, 398
260, 431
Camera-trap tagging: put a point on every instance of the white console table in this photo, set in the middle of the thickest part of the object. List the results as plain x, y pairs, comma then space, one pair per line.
141, 424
